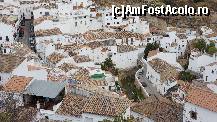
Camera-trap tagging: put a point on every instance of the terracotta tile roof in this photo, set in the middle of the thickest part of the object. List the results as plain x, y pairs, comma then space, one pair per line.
81, 58
182, 36
159, 109
41, 19
26, 114
106, 35
55, 57
94, 44
125, 48
49, 5
104, 105
95, 90
48, 32
8, 19
56, 75
72, 105
69, 47
20, 49
75, 105
212, 35
17, 84
203, 98
167, 71
9, 62
119, 26
82, 76
67, 67
212, 64
152, 53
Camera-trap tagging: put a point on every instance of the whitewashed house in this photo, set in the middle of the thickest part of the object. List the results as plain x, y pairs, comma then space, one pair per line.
31, 68
198, 60
40, 11
200, 106
209, 72
9, 32
8, 63
15, 87
44, 49
162, 70
162, 74
174, 43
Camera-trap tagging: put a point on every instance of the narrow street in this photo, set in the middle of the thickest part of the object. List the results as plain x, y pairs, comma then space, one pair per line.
28, 34
152, 90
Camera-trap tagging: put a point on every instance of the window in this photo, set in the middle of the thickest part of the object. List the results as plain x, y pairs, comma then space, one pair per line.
193, 115
110, 87
46, 13
4, 50
76, 24
117, 22
212, 71
108, 23
7, 39
0, 78
0, 38
40, 12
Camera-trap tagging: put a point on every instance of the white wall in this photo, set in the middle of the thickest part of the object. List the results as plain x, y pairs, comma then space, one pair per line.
140, 118
127, 59
203, 115
7, 30
195, 63
53, 116
87, 117
22, 70
210, 73
5, 77
41, 12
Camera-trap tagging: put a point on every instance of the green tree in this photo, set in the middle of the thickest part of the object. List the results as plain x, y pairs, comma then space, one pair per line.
130, 88
107, 64
200, 44
212, 50
186, 76
150, 47
5, 117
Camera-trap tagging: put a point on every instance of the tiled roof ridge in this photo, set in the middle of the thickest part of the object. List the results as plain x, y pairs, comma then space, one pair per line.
202, 97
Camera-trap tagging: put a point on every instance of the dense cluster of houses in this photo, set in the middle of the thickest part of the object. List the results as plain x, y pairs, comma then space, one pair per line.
62, 78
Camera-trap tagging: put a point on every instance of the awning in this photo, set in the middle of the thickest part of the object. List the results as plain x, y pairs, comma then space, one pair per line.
45, 88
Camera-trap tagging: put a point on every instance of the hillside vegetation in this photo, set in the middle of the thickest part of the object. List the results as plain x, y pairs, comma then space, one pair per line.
178, 21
